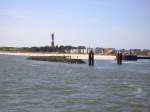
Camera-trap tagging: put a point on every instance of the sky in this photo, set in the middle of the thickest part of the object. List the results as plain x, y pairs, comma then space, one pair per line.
91, 23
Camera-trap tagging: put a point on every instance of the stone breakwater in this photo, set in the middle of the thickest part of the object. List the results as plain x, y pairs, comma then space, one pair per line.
63, 59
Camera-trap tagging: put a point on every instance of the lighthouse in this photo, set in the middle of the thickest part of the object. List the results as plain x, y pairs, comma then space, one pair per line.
52, 43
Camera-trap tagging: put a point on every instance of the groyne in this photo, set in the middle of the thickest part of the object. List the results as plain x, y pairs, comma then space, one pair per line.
63, 59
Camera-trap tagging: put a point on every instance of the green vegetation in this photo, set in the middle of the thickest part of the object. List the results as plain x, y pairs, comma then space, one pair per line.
60, 49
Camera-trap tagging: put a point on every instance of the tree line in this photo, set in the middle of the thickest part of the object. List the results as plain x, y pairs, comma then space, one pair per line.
60, 49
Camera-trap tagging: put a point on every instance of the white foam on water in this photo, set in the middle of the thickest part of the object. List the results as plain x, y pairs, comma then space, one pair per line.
100, 68
139, 90
33, 65
138, 93
132, 85
128, 62
86, 86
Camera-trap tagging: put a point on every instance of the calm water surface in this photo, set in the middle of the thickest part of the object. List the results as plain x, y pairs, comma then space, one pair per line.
37, 86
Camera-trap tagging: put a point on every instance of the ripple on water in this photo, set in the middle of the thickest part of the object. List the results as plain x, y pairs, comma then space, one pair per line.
34, 86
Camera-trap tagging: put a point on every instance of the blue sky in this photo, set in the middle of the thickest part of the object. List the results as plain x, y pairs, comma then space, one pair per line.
103, 23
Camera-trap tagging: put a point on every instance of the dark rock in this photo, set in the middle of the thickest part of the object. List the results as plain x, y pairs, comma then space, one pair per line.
56, 59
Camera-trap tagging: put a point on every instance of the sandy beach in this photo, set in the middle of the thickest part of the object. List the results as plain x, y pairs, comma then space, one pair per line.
73, 56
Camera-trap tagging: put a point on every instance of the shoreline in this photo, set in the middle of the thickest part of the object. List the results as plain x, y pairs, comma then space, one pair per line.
73, 56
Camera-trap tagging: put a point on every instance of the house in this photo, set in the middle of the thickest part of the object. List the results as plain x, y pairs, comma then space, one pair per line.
99, 50
78, 50
109, 51
135, 51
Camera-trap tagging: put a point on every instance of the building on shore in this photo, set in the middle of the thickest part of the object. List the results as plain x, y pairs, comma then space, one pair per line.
109, 51
135, 51
99, 50
84, 50
78, 50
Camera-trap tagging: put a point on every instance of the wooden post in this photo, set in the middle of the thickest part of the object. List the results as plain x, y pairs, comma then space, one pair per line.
119, 58
91, 58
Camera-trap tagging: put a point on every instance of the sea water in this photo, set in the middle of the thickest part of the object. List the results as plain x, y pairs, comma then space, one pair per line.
38, 86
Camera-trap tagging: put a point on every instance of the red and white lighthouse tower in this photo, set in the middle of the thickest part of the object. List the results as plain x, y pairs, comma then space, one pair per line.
52, 43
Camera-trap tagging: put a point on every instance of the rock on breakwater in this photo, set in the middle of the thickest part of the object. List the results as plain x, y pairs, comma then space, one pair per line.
64, 59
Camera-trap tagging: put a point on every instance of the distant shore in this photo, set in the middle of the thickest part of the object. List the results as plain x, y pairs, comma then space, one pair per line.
73, 56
